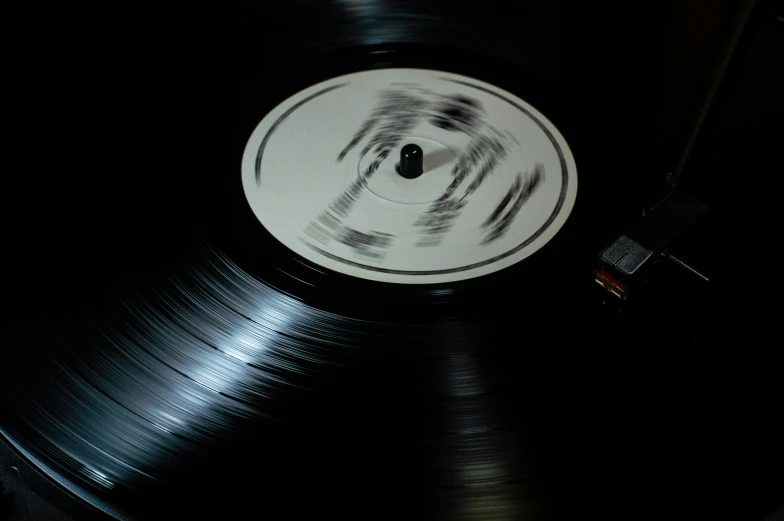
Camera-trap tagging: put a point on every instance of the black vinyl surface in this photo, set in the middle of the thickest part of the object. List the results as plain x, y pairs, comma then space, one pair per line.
165, 354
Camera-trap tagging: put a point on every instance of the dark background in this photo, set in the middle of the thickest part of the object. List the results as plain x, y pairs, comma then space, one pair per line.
97, 99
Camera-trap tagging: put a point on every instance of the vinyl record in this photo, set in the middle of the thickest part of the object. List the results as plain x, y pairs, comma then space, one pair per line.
293, 326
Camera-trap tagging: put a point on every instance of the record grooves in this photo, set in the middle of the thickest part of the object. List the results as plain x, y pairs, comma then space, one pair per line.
198, 366
457, 386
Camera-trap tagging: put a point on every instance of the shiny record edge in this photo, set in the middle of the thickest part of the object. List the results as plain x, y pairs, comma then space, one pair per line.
69, 486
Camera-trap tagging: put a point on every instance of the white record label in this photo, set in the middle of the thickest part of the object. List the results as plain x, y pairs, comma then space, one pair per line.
321, 174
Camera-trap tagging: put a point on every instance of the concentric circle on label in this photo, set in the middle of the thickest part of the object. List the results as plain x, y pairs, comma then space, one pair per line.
320, 172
